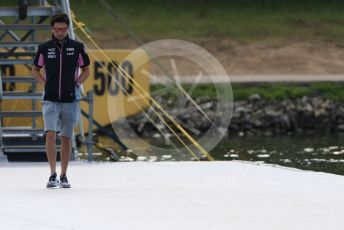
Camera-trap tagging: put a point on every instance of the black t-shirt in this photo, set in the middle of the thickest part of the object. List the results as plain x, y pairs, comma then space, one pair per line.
61, 63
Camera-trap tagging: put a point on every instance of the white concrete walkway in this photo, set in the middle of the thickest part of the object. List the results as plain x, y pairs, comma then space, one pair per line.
171, 195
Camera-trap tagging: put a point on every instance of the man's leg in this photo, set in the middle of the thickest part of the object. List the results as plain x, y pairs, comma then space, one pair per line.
51, 126
50, 145
66, 149
68, 120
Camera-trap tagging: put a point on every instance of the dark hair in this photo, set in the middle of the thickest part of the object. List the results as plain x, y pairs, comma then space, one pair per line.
59, 18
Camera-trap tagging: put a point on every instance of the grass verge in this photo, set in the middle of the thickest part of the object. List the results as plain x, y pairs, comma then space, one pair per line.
269, 91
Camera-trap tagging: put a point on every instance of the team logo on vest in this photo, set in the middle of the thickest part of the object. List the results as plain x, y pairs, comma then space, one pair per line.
51, 55
51, 52
70, 51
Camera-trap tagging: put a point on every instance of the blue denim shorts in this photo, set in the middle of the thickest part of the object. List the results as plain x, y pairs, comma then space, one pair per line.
60, 117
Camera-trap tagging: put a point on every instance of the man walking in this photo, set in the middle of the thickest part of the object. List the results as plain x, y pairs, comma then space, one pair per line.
61, 58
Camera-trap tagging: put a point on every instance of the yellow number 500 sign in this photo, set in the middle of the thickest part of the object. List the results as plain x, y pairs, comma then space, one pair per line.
107, 81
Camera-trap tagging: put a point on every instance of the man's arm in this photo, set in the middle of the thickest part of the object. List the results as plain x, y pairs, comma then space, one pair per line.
85, 72
37, 74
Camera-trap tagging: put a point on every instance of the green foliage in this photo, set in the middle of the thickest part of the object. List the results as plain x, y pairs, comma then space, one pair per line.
243, 20
198, 20
270, 91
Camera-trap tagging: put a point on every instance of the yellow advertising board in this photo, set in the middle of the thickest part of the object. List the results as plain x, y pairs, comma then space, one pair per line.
114, 90
106, 81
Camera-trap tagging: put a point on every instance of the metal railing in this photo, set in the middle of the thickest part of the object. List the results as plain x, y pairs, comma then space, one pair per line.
89, 143
29, 46
2, 156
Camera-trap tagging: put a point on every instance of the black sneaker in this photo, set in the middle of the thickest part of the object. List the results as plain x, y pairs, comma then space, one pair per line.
53, 181
64, 182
